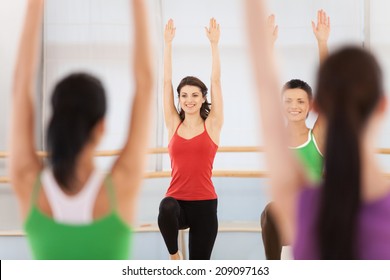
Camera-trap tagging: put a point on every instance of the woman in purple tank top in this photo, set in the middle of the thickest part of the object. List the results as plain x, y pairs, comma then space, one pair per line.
347, 217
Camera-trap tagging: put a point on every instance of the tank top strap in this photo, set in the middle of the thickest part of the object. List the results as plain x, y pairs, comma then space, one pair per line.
311, 134
36, 189
177, 128
313, 138
109, 185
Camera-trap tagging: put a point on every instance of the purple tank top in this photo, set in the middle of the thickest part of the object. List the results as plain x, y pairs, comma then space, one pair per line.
373, 229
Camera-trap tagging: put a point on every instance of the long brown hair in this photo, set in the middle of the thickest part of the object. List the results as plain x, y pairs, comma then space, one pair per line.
349, 88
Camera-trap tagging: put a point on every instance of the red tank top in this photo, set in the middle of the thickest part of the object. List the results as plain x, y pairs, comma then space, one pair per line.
192, 165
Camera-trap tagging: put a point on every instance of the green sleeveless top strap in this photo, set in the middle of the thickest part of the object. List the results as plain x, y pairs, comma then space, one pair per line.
311, 159
106, 238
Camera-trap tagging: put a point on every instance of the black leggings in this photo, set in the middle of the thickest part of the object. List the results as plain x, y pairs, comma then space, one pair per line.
198, 215
270, 233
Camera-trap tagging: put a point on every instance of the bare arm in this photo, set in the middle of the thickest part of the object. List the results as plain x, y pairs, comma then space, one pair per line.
171, 116
129, 168
321, 32
273, 30
24, 163
286, 175
216, 114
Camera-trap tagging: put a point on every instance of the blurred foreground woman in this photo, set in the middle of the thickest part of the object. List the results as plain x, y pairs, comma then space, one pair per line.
70, 209
347, 216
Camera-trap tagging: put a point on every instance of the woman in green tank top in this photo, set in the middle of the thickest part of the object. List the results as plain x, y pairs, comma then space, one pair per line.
75, 129
308, 143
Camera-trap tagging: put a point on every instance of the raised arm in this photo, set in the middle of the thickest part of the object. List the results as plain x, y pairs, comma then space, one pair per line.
321, 32
128, 170
286, 175
273, 30
171, 115
215, 118
24, 163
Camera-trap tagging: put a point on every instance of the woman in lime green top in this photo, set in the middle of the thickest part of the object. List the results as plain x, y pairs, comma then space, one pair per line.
308, 143
100, 226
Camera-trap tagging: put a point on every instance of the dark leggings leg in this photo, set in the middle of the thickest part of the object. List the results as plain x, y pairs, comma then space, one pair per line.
168, 222
270, 234
203, 222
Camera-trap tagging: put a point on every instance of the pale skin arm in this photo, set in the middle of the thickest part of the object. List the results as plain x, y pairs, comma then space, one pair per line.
321, 32
24, 162
214, 121
273, 30
286, 175
128, 170
171, 115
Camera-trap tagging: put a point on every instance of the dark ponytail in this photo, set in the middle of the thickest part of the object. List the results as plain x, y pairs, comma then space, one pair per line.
340, 198
349, 88
78, 104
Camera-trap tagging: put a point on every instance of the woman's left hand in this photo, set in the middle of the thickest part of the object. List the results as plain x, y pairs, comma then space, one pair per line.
213, 32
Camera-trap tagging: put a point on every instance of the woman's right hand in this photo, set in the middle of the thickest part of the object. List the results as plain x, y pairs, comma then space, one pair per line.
169, 32
322, 29
273, 29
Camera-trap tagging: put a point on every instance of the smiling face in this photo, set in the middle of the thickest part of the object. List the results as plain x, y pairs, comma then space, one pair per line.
191, 99
296, 104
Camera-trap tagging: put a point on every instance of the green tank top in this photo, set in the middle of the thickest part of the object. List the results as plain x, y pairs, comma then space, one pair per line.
106, 238
311, 158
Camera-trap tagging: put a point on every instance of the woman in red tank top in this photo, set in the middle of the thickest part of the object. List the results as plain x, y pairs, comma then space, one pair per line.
193, 131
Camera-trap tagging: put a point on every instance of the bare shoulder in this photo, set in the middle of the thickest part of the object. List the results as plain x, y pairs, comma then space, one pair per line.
172, 128
213, 129
23, 185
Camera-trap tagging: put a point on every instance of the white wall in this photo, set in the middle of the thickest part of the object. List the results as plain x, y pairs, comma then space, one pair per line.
94, 37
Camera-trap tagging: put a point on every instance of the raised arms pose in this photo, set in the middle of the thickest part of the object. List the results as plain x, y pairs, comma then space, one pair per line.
75, 129
172, 117
193, 133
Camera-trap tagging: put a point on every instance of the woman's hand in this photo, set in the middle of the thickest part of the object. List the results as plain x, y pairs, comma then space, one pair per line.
169, 32
213, 32
273, 30
322, 29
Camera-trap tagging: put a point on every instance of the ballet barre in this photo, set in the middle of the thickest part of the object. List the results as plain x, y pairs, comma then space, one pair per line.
216, 173
160, 150
164, 150
232, 226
